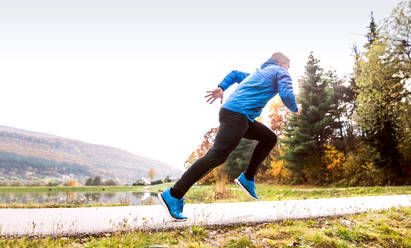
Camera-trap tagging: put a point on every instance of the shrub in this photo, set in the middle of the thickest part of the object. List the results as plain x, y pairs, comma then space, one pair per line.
333, 160
278, 174
359, 170
110, 182
52, 183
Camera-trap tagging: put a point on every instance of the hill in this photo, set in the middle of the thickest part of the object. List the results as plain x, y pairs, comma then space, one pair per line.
82, 159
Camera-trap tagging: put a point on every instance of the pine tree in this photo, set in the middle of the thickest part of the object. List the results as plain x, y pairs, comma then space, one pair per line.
342, 109
307, 133
372, 33
239, 158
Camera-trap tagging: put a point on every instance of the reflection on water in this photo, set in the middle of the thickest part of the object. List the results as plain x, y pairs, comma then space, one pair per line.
80, 198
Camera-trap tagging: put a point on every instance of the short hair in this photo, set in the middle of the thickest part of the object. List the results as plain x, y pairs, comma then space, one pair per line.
280, 58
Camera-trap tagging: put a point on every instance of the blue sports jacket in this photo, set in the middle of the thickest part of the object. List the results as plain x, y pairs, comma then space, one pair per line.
255, 90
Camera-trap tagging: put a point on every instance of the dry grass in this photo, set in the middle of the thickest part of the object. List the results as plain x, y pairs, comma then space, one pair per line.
222, 189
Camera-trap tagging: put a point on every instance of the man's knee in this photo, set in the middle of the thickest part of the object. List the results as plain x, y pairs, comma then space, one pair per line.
270, 140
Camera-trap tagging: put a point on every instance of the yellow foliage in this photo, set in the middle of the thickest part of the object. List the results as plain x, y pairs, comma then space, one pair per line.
334, 161
358, 171
278, 173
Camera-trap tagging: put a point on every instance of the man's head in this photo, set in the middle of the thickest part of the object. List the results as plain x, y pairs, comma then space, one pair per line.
282, 60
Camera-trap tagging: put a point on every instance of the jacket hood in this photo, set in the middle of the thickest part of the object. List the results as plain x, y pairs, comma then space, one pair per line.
269, 62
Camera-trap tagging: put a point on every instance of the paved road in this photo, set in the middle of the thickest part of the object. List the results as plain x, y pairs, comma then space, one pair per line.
97, 220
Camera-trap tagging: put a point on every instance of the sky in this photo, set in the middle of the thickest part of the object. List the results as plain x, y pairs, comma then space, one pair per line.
133, 74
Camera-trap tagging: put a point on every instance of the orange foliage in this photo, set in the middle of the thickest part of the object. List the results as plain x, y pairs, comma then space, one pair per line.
151, 173
278, 115
209, 138
71, 182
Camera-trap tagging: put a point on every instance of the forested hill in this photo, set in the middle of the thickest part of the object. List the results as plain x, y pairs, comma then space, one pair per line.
79, 158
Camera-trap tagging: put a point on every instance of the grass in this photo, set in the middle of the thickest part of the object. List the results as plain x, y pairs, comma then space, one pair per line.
212, 193
266, 192
384, 228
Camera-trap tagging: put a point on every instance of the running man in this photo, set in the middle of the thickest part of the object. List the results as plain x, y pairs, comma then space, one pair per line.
237, 120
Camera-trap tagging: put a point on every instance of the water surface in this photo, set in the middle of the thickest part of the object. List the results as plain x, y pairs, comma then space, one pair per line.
79, 198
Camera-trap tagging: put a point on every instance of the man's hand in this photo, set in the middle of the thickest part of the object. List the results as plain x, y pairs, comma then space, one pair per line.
213, 95
299, 109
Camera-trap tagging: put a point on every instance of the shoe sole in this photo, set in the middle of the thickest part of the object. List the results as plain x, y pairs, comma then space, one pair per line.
167, 209
244, 189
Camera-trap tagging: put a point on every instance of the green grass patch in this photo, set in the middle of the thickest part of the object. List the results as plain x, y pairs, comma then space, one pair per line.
362, 230
241, 242
267, 192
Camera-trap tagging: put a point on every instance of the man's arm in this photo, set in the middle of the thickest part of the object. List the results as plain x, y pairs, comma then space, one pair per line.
285, 90
233, 77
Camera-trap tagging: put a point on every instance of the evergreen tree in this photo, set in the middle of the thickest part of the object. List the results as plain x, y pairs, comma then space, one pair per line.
239, 158
307, 133
372, 31
341, 112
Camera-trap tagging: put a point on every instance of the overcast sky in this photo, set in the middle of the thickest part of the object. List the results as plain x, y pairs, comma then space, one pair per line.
133, 74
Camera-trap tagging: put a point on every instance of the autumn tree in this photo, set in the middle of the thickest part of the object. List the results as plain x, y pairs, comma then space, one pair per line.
71, 183
151, 173
278, 114
272, 169
383, 101
206, 144
379, 106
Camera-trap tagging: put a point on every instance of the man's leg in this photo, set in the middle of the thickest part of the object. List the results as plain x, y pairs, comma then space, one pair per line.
266, 142
232, 128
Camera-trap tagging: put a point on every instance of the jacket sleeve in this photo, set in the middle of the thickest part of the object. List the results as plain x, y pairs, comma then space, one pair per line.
285, 90
233, 77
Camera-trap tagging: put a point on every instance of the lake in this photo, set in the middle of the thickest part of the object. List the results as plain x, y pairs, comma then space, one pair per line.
80, 198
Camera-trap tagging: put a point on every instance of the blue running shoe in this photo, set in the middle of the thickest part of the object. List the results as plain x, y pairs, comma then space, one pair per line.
173, 205
246, 185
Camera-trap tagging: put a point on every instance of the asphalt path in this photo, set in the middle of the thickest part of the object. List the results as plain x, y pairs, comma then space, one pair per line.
100, 220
